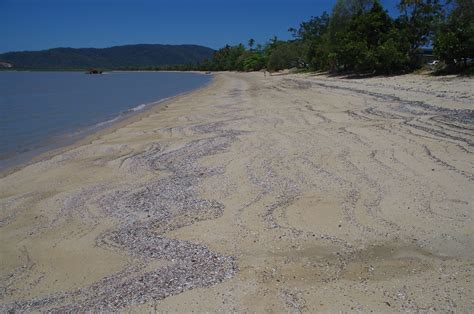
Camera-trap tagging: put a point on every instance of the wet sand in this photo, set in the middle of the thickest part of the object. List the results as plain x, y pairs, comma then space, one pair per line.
292, 193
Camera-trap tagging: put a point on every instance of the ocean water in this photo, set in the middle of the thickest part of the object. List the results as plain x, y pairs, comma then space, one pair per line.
44, 110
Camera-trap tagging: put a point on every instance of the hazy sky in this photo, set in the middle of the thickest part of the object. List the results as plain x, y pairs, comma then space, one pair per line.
42, 24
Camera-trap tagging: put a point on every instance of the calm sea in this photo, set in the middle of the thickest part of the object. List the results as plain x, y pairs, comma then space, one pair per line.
43, 110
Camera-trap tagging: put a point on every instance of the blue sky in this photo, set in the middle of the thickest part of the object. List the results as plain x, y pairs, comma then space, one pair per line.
43, 24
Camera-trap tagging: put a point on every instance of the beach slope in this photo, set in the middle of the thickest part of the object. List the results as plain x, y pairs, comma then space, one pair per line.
285, 193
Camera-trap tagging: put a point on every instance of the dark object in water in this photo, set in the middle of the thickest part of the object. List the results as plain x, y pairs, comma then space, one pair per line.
95, 71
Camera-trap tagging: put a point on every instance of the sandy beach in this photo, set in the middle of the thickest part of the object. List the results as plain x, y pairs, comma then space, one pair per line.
285, 193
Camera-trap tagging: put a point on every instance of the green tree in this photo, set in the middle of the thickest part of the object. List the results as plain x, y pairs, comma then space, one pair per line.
312, 34
342, 13
312, 29
285, 55
370, 44
253, 61
417, 22
228, 58
454, 40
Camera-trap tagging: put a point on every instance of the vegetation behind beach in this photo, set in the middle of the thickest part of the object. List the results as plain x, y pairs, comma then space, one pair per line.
359, 36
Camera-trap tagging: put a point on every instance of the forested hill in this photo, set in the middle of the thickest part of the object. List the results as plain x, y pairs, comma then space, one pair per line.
129, 56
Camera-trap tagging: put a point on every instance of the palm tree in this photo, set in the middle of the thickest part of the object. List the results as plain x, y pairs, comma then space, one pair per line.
251, 42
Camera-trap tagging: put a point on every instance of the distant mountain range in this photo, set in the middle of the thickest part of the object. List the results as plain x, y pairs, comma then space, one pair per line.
129, 56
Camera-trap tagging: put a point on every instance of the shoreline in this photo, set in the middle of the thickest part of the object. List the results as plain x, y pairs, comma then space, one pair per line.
94, 134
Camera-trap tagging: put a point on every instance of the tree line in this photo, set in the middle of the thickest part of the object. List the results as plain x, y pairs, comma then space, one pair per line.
359, 36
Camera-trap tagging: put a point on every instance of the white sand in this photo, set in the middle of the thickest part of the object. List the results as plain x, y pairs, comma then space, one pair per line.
332, 195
